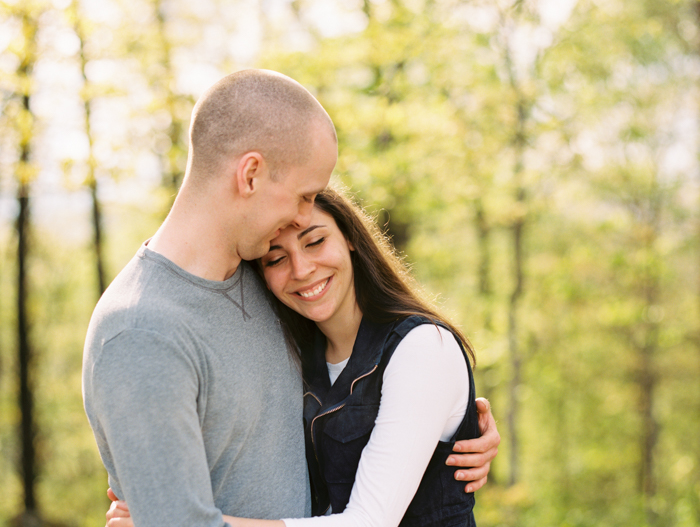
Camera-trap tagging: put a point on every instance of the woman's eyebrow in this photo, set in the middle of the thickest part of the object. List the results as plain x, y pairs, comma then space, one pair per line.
306, 231
299, 236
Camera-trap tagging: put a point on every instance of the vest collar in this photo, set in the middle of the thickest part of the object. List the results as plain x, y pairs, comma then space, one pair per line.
366, 354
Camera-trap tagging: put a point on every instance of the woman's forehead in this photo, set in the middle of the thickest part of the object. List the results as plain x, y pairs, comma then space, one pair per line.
319, 218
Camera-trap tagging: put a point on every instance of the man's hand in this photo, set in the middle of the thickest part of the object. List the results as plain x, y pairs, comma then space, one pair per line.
481, 451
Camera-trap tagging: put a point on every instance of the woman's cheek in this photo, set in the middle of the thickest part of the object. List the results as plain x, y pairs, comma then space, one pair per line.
273, 282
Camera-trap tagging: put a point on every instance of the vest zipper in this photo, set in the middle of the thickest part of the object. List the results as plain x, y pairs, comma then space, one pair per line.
312, 394
313, 421
362, 377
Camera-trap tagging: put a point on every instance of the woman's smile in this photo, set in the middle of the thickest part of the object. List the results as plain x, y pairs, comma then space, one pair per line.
314, 291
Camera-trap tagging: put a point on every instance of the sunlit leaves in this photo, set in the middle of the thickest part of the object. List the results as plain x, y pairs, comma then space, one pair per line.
457, 120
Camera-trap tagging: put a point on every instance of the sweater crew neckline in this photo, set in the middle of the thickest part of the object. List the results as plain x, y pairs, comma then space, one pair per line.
215, 285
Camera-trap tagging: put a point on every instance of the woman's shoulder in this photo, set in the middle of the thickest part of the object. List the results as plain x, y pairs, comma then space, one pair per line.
433, 353
404, 325
430, 334
424, 326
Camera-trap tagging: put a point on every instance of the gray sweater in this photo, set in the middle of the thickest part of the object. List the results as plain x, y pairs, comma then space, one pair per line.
194, 400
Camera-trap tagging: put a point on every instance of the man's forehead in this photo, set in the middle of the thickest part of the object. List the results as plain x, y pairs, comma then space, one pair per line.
307, 185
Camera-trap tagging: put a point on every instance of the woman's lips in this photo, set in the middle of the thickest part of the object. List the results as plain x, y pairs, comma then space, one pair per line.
315, 290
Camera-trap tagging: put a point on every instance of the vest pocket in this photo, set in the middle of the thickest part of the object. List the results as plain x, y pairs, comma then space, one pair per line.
344, 437
351, 422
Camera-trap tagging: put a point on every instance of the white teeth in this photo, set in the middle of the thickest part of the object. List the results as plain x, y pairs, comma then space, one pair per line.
320, 287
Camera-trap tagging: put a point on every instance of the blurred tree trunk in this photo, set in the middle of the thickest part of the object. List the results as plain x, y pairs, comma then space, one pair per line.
647, 377
24, 176
483, 230
648, 380
697, 21
25, 353
97, 230
697, 450
171, 157
91, 179
517, 228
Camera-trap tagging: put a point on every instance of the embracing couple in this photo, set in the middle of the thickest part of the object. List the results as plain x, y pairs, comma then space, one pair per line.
266, 355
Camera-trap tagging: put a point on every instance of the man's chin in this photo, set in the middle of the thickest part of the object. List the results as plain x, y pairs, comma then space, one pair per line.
256, 254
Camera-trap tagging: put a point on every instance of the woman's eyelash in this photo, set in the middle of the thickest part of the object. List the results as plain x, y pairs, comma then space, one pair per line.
314, 243
272, 263
317, 242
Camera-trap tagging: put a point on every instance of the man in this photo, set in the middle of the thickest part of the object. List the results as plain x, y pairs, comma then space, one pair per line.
194, 400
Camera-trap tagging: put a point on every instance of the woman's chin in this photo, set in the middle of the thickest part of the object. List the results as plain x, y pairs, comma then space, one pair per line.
318, 314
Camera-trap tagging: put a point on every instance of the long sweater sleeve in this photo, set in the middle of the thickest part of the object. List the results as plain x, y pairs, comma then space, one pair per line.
424, 398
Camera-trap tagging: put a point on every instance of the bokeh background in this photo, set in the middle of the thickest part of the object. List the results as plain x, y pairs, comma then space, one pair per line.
535, 160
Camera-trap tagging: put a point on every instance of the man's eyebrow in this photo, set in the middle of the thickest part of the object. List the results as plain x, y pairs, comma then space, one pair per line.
307, 231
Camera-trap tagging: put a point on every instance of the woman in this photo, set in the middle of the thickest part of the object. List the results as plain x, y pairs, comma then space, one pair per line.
388, 379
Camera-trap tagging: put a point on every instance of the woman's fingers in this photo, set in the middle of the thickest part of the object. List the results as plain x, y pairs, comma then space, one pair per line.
120, 522
118, 509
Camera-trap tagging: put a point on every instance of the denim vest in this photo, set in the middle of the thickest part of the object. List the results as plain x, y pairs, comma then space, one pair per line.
339, 419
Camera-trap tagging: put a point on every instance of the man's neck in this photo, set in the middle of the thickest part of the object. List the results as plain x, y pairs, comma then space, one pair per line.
195, 241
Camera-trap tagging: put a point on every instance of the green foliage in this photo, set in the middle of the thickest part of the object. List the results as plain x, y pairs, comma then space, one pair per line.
456, 121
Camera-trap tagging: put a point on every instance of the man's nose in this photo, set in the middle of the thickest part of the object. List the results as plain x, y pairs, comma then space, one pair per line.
303, 217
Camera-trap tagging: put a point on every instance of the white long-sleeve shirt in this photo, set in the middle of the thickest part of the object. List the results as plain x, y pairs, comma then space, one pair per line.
424, 398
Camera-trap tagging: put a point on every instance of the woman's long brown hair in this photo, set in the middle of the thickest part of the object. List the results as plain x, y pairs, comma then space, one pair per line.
384, 289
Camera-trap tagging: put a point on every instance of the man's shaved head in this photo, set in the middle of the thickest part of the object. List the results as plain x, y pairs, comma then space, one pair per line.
254, 110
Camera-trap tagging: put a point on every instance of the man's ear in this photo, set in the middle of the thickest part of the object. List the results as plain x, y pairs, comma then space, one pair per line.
249, 171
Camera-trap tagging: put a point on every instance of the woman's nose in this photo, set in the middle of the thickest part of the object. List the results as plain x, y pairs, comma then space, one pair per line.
302, 267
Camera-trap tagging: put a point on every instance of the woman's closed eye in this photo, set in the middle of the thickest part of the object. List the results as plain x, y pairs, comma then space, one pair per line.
274, 261
316, 242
